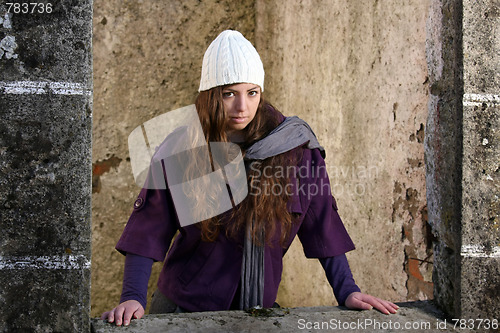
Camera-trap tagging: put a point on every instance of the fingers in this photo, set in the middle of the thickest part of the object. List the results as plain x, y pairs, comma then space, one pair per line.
382, 305
105, 315
355, 301
359, 304
139, 313
393, 308
386, 306
364, 306
366, 302
111, 316
375, 302
124, 313
131, 312
118, 315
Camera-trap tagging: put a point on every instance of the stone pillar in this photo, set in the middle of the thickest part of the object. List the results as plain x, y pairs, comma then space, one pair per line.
45, 166
462, 154
480, 234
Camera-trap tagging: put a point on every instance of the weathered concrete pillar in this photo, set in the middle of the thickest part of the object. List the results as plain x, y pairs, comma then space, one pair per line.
480, 234
45, 166
462, 154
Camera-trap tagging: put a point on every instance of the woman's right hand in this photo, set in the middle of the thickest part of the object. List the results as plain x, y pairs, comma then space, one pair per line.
124, 312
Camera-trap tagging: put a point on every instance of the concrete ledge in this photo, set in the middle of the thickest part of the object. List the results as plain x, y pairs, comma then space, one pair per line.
420, 316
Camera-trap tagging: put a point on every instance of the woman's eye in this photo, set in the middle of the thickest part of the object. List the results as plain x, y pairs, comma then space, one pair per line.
227, 94
253, 93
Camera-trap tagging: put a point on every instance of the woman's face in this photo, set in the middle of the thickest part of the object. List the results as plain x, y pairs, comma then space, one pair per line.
240, 103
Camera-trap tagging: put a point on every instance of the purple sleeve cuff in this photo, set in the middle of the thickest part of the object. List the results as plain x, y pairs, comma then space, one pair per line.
340, 277
135, 279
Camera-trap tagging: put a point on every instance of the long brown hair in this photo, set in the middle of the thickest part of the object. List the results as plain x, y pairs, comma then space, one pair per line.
266, 208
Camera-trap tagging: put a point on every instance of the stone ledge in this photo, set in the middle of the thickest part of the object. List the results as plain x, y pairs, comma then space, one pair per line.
307, 319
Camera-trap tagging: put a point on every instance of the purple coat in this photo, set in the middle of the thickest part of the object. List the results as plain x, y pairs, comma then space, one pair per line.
204, 276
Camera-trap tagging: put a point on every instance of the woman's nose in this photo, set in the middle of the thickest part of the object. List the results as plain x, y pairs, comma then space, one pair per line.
241, 103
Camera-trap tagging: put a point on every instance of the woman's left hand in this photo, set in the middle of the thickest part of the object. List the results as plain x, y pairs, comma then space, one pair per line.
360, 301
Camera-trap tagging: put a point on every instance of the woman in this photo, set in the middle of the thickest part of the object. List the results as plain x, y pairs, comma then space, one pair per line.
234, 260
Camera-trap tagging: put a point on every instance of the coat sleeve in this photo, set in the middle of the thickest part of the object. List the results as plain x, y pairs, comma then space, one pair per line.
152, 224
322, 232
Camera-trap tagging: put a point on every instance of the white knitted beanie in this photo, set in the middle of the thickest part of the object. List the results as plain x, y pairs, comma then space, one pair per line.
229, 59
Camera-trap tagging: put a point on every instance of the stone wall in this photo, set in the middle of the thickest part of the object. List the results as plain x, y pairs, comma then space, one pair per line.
355, 70
418, 316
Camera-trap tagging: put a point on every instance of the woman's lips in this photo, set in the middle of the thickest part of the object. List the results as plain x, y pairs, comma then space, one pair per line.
238, 120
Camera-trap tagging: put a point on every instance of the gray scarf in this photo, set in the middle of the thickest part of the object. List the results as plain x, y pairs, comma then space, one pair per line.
291, 133
252, 272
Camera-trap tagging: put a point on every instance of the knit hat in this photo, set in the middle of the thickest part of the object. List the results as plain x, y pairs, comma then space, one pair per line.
229, 59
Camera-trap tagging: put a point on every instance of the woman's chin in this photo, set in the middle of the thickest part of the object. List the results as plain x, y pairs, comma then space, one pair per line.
237, 127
